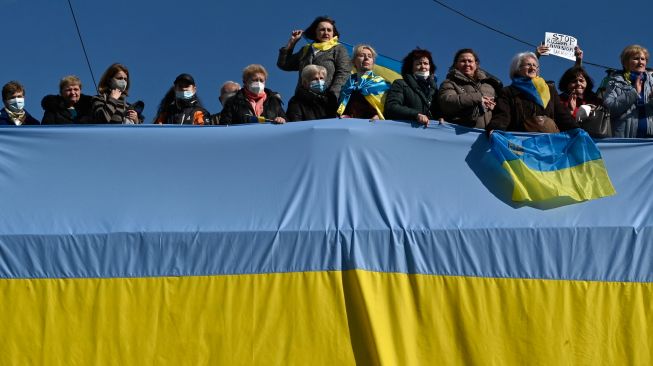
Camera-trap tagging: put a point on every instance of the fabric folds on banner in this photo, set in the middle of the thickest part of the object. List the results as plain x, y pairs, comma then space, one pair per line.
565, 164
331, 242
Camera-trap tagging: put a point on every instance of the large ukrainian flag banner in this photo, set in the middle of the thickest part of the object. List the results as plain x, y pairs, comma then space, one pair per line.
546, 166
317, 243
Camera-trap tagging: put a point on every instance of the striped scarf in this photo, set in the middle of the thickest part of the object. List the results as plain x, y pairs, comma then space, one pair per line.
536, 89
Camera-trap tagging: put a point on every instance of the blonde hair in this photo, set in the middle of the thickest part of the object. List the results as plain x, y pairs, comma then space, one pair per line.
360, 47
252, 69
69, 80
631, 51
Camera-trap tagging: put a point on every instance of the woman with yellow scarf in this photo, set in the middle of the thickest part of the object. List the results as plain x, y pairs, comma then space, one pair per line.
324, 50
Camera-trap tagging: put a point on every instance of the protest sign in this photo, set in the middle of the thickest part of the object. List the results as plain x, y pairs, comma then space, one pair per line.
560, 45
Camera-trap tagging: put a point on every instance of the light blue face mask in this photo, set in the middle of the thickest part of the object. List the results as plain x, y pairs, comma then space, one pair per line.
423, 75
16, 104
184, 94
317, 86
119, 84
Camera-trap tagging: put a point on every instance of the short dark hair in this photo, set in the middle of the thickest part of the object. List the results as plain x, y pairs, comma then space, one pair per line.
10, 88
310, 32
416, 54
570, 75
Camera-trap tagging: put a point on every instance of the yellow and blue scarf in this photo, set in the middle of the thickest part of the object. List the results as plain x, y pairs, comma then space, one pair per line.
371, 86
536, 89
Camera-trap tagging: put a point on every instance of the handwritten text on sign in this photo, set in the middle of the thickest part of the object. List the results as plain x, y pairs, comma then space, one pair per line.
561, 45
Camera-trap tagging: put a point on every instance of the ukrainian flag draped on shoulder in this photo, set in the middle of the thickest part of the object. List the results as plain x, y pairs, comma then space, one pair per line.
542, 167
536, 89
371, 86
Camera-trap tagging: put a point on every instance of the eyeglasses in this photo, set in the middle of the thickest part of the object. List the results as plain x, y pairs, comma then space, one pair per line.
528, 66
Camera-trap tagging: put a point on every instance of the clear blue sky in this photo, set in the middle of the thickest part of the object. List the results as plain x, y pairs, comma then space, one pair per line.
214, 40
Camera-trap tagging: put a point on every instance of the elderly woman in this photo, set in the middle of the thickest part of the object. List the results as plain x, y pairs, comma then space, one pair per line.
110, 105
363, 94
467, 95
629, 95
14, 113
181, 105
324, 50
70, 106
310, 101
254, 102
414, 98
529, 103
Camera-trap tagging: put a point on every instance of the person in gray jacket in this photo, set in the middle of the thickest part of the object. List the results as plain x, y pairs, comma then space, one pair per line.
324, 50
466, 97
629, 95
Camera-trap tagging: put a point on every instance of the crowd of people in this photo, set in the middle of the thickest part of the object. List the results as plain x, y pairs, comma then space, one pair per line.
332, 84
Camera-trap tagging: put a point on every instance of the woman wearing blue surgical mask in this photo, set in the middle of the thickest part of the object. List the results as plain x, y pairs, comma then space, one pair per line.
254, 103
110, 105
414, 97
310, 100
181, 105
14, 113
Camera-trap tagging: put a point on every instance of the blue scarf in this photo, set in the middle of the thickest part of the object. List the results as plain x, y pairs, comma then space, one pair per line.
535, 89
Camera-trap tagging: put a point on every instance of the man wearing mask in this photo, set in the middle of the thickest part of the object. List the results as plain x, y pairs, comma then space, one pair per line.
70, 106
181, 105
228, 90
14, 113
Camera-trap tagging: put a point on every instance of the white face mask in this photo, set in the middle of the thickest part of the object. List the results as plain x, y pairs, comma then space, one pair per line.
16, 104
256, 87
423, 75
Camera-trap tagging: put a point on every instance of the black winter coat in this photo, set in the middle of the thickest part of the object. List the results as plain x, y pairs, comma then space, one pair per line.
56, 112
181, 112
406, 99
308, 105
237, 110
513, 107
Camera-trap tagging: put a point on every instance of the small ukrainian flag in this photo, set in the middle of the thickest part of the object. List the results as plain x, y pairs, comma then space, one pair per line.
542, 167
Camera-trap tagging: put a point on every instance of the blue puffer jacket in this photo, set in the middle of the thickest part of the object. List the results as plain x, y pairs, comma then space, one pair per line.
621, 100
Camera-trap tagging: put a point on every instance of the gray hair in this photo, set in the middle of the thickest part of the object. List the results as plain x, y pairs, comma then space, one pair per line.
517, 61
311, 70
360, 47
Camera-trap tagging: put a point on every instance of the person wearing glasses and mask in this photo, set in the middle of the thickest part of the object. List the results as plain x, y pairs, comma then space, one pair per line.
254, 103
181, 105
414, 97
14, 113
310, 101
530, 103
110, 105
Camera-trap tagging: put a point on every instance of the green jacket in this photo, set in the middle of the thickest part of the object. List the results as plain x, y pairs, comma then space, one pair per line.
406, 99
